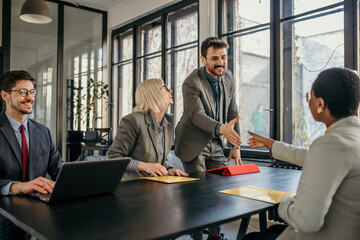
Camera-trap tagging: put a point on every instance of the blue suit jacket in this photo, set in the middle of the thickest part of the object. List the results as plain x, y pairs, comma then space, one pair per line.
43, 156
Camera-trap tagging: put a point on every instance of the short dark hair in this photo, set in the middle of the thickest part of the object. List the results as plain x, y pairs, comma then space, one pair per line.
340, 89
212, 42
8, 80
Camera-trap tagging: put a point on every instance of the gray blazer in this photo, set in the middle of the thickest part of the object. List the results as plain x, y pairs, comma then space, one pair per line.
197, 124
136, 138
43, 156
327, 202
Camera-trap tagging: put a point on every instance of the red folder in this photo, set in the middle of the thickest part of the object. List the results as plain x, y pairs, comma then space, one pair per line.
235, 170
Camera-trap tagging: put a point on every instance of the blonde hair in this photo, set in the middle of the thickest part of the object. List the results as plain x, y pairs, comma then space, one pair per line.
150, 96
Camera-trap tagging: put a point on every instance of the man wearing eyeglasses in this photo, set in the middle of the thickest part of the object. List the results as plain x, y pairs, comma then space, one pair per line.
27, 150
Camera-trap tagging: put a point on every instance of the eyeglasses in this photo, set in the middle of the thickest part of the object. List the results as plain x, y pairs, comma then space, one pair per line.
308, 96
166, 87
24, 92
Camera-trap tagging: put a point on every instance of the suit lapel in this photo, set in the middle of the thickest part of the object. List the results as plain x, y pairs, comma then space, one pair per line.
33, 146
8, 132
151, 131
205, 83
167, 137
226, 97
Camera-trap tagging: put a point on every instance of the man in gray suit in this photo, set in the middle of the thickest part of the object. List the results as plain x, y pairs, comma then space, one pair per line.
210, 113
27, 150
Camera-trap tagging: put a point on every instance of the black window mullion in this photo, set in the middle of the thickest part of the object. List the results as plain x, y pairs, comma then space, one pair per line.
135, 71
351, 32
163, 47
276, 88
230, 7
173, 59
146, 36
288, 72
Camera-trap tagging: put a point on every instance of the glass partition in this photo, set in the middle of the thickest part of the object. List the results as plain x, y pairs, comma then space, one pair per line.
83, 56
86, 93
34, 49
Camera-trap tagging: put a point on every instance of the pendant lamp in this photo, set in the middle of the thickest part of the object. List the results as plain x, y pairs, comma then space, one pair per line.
35, 11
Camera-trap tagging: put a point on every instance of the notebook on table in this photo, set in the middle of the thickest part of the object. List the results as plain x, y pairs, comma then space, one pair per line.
171, 179
258, 193
82, 179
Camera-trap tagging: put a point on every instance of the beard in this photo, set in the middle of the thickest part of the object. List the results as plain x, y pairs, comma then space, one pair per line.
18, 107
213, 70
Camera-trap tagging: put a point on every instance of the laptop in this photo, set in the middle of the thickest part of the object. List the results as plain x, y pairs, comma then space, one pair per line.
82, 179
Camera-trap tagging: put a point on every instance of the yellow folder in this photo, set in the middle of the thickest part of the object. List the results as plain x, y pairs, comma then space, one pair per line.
257, 193
170, 179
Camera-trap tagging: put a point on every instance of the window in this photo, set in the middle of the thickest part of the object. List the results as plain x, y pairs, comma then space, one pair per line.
162, 45
123, 72
315, 41
181, 52
276, 59
248, 36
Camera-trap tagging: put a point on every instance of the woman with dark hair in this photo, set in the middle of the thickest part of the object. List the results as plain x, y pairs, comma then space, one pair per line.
327, 202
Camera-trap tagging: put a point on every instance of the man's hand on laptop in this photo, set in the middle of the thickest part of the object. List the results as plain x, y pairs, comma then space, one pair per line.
40, 184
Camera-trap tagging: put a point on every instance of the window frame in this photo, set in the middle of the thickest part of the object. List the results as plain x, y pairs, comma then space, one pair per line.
280, 96
133, 27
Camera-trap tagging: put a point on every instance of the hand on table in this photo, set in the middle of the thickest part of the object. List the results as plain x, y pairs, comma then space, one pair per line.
235, 154
40, 184
155, 169
177, 172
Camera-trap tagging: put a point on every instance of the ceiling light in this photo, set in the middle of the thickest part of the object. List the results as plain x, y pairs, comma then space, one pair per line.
35, 11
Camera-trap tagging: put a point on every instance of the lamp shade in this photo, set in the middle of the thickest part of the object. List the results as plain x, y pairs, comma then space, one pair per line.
35, 11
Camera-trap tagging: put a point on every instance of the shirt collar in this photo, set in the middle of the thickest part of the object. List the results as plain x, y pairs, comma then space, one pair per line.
164, 122
211, 78
329, 128
15, 124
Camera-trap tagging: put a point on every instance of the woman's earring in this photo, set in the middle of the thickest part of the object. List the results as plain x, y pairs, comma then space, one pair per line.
319, 110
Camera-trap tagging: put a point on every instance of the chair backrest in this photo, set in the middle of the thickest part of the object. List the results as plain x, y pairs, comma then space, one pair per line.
104, 135
92, 137
75, 136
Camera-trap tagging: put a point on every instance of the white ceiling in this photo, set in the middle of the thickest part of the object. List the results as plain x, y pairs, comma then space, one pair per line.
99, 4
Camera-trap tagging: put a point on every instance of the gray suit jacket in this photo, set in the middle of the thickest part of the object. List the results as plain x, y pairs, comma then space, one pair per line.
197, 124
136, 138
327, 202
43, 156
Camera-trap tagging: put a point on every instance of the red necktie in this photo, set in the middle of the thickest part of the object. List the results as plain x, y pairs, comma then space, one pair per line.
24, 153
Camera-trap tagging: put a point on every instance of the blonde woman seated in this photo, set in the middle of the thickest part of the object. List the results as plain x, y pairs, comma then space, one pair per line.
327, 202
145, 135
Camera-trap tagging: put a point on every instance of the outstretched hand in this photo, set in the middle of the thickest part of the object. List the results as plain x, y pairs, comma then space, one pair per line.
258, 141
228, 131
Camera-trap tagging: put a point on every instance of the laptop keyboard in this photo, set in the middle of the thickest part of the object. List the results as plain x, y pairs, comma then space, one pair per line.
44, 197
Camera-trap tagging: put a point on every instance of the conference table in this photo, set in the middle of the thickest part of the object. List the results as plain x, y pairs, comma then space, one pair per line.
145, 209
